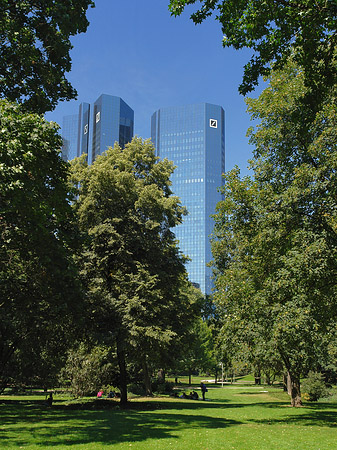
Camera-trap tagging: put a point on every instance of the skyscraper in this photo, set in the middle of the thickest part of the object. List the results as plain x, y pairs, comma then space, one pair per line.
83, 129
193, 137
69, 136
112, 122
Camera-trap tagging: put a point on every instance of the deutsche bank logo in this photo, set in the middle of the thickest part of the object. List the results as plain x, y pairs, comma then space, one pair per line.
86, 128
213, 123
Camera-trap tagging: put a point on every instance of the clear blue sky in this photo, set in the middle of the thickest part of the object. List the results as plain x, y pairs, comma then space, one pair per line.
135, 50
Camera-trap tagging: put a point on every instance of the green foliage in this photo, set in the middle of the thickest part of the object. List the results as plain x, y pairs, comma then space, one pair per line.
314, 387
40, 295
131, 266
197, 352
276, 255
274, 30
137, 389
162, 387
34, 50
89, 369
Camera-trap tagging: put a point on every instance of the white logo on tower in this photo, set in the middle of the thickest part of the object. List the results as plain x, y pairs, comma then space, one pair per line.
98, 116
213, 123
86, 128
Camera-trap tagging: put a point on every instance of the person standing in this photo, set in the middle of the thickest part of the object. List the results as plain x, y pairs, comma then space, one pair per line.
203, 390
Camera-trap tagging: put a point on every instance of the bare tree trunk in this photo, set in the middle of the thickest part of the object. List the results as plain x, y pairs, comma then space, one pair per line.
293, 382
122, 371
189, 377
146, 377
161, 375
257, 375
289, 384
285, 381
296, 399
216, 375
5, 358
233, 376
268, 378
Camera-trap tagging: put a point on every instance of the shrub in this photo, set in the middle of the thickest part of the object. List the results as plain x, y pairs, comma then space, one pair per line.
314, 387
88, 369
161, 387
137, 389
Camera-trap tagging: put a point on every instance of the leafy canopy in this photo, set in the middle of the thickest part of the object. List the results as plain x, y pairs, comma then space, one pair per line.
274, 29
34, 50
132, 268
39, 294
275, 256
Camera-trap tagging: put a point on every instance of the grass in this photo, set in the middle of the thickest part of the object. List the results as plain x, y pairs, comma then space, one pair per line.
238, 416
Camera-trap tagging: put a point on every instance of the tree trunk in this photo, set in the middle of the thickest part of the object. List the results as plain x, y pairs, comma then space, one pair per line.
285, 382
161, 376
216, 375
293, 382
288, 384
189, 377
296, 399
146, 377
257, 376
122, 371
233, 376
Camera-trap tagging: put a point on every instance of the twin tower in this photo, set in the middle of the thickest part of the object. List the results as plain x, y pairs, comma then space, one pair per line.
192, 136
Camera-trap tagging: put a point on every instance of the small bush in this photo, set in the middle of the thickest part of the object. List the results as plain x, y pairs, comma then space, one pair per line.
314, 387
136, 389
160, 387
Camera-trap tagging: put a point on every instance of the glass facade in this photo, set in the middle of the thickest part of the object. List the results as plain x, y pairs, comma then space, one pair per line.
69, 136
112, 122
192, 136
83, 129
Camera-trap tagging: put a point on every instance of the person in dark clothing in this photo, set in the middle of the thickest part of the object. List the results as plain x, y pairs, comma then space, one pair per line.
194, 395
49, 400
203, 390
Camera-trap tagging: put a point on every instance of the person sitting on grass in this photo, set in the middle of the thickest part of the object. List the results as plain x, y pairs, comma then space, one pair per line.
100, 393
183, 395
194, 395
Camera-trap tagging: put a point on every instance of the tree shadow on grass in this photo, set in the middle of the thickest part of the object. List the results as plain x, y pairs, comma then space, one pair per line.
56, 427
322, 415
176, 404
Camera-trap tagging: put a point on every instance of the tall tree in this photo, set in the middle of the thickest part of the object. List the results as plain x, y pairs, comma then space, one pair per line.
34, 50
132, 267
39, 291
275, 29
276, 256
196, 354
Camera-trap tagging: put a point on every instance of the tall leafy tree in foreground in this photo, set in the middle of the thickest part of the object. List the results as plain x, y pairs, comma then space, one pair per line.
275, 29
34, 50
133, 270
276, 253
39, 292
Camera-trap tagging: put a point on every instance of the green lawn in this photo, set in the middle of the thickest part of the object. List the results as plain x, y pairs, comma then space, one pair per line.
240, 417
